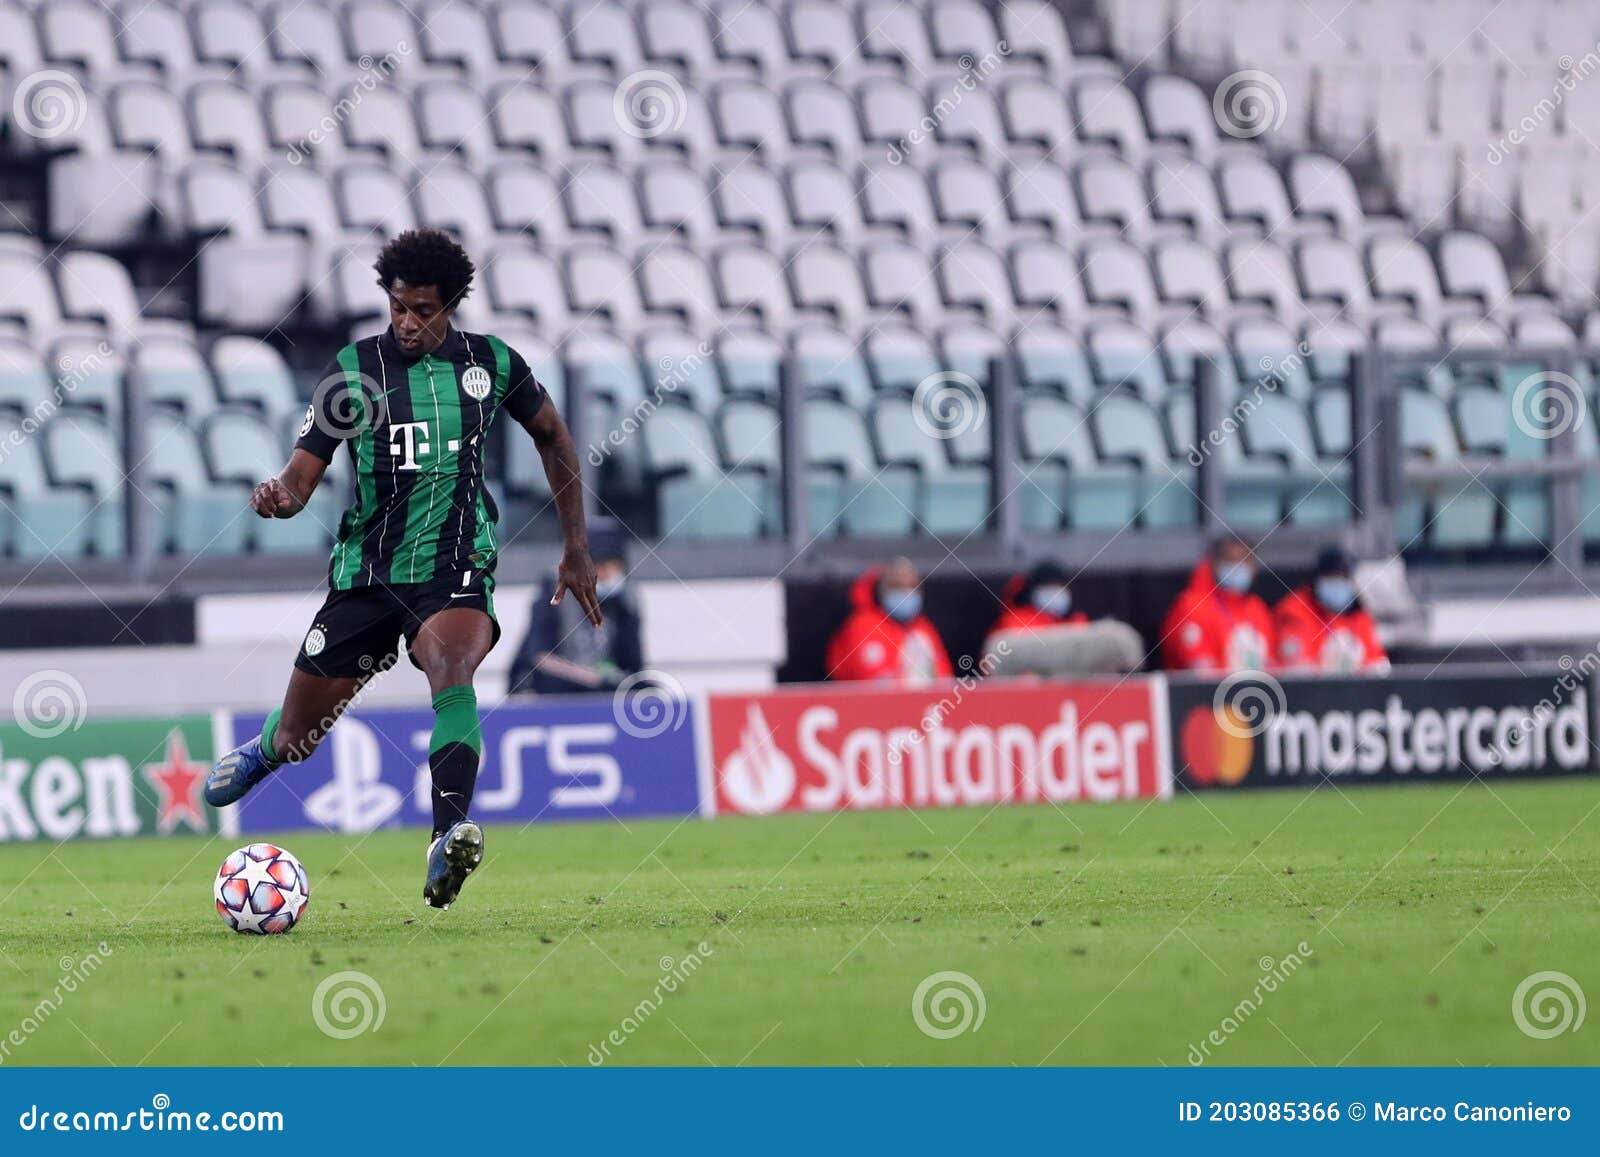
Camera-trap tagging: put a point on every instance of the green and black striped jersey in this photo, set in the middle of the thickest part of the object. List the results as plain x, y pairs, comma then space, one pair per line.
416, 429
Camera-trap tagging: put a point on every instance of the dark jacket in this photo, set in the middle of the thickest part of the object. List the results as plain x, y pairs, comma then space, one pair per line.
610, 652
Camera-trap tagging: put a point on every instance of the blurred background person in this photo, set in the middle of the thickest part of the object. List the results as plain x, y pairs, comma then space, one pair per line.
1322, 625
1216, 624
560, 655
1040, 598
887, 638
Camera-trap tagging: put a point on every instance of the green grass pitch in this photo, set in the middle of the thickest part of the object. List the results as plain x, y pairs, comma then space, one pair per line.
1115, 934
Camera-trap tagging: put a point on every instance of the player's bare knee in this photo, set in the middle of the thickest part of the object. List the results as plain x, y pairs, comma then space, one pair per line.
451, 671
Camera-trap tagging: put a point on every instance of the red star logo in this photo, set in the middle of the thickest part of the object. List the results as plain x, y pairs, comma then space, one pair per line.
177, 783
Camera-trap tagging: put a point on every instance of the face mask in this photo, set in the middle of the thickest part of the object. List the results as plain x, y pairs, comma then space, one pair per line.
1336, 592
902, 606
1055, 601
1236, 576
609, 588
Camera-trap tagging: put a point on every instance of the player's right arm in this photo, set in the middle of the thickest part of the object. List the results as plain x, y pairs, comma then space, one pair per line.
337, 412
286, 494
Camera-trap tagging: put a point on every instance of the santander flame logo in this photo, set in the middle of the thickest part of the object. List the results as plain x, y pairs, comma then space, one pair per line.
757, 777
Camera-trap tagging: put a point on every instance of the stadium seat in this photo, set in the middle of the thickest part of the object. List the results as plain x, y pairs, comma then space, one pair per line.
1065, 484
748, 361
951, 499
823, 202
694, 498
750, 199
192, 515
822, 118
83, 513
829, 363
1035, 115
895, 201
675, 286
309, 34
1131, 432
253, 373
149, 117
754, 285
850, 493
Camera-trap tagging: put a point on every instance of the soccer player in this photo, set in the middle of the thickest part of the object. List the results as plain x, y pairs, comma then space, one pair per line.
414, 554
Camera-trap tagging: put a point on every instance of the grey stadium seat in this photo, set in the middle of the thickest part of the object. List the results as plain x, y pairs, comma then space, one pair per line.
694, 498
1066, 485
80, 453
848, 492
1130, 431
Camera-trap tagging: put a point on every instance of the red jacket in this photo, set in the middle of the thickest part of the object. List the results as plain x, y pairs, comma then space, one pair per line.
872, 646
1019, 616
1311, 636
1212, 629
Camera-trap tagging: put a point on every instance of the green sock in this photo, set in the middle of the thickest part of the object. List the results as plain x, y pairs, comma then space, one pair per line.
453, 755
267, 728
455, 719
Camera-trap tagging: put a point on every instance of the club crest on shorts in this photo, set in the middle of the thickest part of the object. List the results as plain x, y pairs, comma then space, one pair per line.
476, 382
315, 642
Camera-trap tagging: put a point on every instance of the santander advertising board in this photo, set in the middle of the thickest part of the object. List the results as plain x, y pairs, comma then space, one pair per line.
828, 748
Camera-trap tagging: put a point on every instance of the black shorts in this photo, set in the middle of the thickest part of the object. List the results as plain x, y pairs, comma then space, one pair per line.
358, 631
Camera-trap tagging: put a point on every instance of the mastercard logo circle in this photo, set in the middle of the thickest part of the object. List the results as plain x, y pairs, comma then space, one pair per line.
1216, 746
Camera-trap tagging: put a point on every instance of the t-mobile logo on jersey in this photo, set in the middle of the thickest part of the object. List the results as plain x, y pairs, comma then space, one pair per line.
415, 437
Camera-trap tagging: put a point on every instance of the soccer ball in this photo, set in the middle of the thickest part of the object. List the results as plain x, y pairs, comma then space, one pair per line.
261, 889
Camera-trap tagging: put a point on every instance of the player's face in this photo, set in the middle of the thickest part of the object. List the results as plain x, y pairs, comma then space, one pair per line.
420, 319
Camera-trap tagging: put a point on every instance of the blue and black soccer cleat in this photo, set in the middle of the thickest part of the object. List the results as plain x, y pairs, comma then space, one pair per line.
236, 773
451, 859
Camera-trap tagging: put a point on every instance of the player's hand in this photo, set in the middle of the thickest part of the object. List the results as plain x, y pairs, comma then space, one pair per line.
576, 574
272, 499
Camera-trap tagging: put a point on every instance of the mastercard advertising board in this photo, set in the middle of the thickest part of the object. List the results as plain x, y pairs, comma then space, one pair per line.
1255, 730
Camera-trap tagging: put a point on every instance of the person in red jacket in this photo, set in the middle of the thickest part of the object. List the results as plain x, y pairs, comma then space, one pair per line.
1040, 598
1216, 624
887, 638
1322, 626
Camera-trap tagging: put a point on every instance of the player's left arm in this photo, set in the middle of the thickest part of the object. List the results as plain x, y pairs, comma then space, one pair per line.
529, 403
561, 468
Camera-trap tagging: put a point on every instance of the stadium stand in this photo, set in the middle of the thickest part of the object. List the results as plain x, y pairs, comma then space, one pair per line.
671, 201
